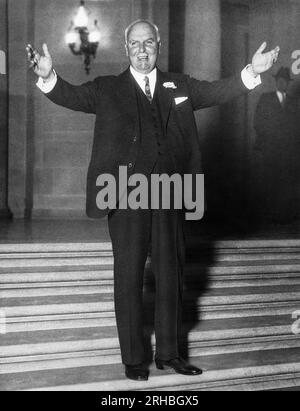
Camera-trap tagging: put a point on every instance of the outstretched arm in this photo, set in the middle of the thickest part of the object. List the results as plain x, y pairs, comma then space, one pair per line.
78, 98
207, 94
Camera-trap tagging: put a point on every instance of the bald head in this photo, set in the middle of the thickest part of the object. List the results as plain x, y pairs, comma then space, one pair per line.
142, 22
142, 45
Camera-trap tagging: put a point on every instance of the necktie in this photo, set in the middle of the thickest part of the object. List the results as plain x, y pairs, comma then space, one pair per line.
283, 100
147, 89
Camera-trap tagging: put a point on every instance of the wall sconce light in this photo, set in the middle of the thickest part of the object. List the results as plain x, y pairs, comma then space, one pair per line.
81, 41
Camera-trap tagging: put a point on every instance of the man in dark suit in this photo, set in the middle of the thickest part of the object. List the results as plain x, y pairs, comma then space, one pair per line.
277, 127
145, 121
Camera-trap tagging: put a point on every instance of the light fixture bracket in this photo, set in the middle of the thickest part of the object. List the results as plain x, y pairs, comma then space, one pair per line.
86, 46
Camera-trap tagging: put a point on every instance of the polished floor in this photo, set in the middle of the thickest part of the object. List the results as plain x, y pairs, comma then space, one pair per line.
77, 231
58, 231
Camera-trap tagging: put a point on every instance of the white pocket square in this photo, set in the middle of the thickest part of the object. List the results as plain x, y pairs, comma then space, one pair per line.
180, 100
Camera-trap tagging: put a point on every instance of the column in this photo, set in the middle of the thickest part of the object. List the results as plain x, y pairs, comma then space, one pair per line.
202, 60
202, 51
4, 210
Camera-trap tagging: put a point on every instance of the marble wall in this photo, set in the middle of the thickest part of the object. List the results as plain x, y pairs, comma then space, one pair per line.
20, 26
51, 146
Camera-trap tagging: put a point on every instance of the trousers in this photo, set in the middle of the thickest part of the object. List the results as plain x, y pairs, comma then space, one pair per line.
133, 234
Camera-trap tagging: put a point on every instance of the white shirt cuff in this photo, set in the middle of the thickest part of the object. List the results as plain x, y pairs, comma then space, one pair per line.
249, 80
47, 87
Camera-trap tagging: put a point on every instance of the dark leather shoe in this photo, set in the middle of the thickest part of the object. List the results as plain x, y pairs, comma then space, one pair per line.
179, 365
136, 372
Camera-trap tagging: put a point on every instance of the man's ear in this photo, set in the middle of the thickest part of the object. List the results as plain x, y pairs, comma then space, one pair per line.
126, 48
159, 47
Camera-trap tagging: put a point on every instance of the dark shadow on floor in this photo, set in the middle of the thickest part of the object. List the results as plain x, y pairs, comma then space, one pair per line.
201, 255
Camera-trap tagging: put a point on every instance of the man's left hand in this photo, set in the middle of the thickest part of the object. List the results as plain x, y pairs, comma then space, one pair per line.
262, 62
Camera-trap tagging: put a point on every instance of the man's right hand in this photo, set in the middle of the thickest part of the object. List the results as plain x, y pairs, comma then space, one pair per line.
42, 65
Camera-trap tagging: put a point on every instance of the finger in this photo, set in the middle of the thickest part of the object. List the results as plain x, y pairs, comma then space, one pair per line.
36, 54
29, 49
31, 60
271, 61
30, 54
275, 51
37, 57
46, 50
262, 47
275, 55
33, 65
33, 55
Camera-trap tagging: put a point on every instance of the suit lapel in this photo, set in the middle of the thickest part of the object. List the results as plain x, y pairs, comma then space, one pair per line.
165, 97
126, 94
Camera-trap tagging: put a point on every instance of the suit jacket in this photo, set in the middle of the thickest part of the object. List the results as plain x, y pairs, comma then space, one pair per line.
116, 138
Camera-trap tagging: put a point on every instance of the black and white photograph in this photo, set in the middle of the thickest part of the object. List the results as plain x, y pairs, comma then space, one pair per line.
149, 198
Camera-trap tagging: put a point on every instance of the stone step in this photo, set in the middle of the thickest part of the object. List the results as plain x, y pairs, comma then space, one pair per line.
194, 272
231, 256
90, 254
9, 260
271, 369
51, 289
40, 322
191, 292
25, 290
192, 243
69, 272
102, 273
247, 268
42, 265
55, 261
248, 244
95, 303
39, 337
84, 348
47, 247
239, 295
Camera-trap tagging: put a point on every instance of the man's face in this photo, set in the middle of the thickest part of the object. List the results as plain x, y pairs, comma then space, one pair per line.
142, 48
282, 84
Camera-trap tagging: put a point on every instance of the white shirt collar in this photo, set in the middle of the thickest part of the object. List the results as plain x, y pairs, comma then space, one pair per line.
140, 79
